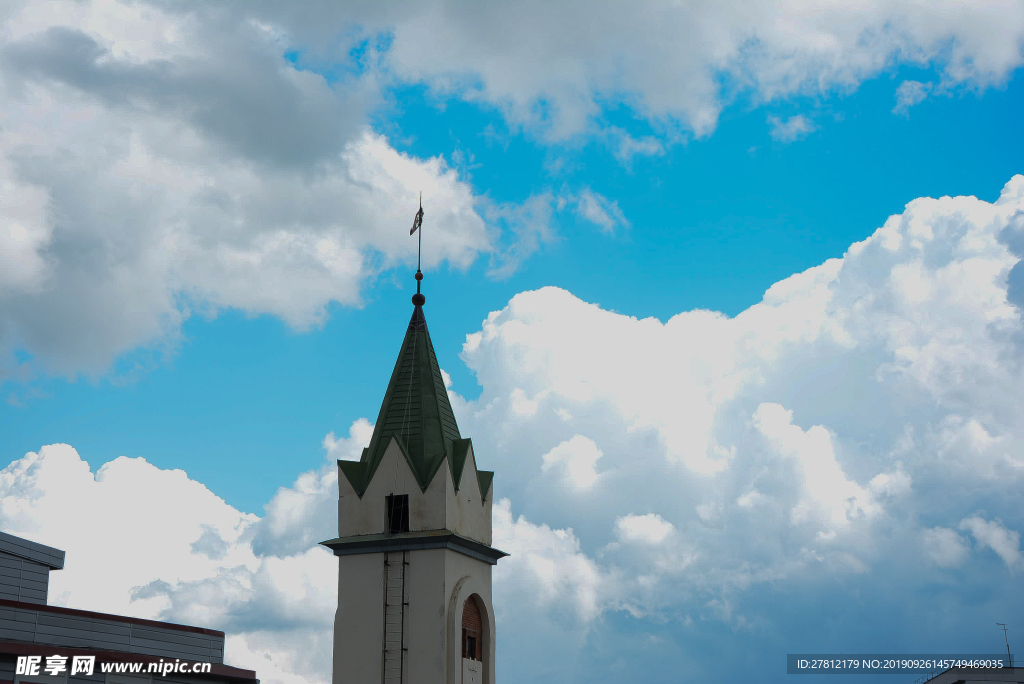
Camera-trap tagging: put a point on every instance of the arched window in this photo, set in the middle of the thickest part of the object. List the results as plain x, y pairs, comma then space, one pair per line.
472, 630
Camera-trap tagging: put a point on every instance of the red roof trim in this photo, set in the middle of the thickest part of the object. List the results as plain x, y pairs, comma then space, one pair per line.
216, 669
107, 616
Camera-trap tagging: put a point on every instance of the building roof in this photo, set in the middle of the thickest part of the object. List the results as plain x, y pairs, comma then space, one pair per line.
417, 413
32, 551
93, 615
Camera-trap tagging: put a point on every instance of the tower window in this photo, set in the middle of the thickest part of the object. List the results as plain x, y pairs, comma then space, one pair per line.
397, 507
472, 626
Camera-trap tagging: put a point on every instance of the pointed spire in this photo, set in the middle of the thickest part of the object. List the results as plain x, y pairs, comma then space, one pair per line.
416, 410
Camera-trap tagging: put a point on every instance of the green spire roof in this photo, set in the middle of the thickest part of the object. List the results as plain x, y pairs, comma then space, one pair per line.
417, 412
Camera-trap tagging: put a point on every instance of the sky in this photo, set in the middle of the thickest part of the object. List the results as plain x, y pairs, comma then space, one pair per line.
728, 295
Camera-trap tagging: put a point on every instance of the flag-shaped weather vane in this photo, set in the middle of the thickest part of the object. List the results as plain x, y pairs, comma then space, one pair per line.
418, 299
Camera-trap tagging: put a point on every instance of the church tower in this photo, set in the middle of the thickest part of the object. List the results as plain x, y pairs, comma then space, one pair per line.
414, 538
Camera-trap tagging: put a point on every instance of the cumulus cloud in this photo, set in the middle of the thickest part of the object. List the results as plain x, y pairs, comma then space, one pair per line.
992, 534
548, 71
156, 163
163, 159
575, 458
182, 555
193, 559
826, 489
750, 499
945, 547
808, 436
545, 566
650, 528
1013, 237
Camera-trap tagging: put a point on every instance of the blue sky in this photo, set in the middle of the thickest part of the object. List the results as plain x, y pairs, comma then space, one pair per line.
208, 268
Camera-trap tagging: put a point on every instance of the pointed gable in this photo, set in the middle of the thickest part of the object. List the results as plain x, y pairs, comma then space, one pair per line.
458, 464
415, 411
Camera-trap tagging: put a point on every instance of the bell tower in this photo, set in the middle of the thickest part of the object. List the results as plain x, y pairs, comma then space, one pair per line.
414, 538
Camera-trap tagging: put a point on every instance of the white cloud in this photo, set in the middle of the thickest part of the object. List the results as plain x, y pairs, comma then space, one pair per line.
908, 94
161, 159
991, 533
600, 211
890, 484
649, 528
945, 547
575, 458
531, 224
625, 147
870, 402
39, 489
192, 559
359, 433
826, 489
172, 550
792, 129
750, 499
546, 567
549, 71
809, 434
154, 164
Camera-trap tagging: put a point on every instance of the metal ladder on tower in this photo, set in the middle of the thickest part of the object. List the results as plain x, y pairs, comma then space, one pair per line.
393, 655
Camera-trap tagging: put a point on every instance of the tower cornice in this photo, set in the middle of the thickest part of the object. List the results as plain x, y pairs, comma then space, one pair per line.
414, 541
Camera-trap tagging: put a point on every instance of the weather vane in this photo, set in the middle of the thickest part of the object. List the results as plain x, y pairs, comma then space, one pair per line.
417, 298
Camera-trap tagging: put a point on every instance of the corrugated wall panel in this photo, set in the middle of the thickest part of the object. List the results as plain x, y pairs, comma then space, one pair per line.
30, 550
23, 580
17, 634
174, 637
153, 648
33, 596
69, 630
48, 633
7, 668
10, 567
183, 640
25, 615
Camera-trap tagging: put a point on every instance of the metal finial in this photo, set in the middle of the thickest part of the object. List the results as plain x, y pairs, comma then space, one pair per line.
418, 299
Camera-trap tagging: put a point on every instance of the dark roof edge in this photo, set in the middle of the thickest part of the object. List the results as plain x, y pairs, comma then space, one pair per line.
61, 610
32, 551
